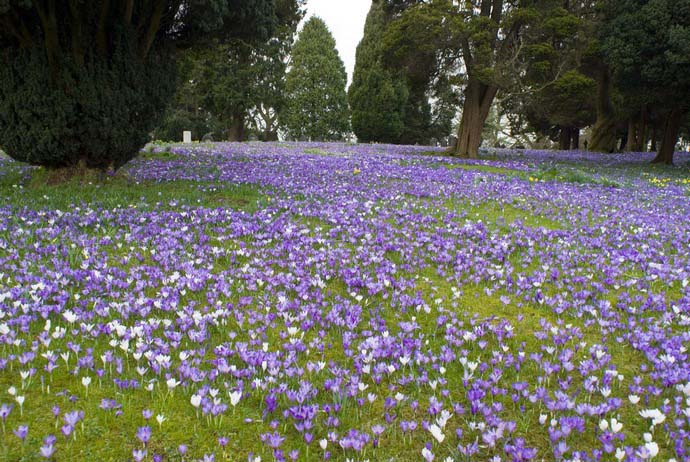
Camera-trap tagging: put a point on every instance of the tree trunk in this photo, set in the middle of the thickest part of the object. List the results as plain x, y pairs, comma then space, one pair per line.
236, 130
475, 110
669, 138
604, 131
49, 22
636, 132
653, 138
270, 132
623, 143
642, 132
630, 143
575, 138
565, 138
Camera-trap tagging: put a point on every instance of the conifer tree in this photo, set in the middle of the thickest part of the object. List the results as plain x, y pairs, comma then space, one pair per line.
85, 82
316, 107
377, 95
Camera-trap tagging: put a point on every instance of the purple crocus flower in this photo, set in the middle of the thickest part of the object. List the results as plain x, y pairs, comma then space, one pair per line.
21, 432
47, 451
144, 434
72, 418
139, 454
273, 440
67, 430
5, 410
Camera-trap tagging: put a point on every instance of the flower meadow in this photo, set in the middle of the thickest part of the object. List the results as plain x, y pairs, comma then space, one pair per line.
276, 302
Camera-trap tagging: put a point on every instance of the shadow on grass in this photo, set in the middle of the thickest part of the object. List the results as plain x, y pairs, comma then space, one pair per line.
37, 189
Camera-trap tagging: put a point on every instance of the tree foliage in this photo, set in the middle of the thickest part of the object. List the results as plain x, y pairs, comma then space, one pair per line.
554, 97
469, 44
420, 45
647, 43
101, 66
228, 87
99, 113
377, 94
316, 107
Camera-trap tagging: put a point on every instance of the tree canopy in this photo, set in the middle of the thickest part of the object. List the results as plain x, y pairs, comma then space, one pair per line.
118, 56
316, 107
229, 87
377, 95
647, 43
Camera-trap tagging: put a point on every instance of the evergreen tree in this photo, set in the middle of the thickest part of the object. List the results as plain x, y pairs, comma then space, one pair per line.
477, 44
554, 98
417, 44
85, 82
234, 82
316, 107
647, 43
377, 95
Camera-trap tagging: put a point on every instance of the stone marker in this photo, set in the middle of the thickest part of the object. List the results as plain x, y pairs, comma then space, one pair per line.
186, 137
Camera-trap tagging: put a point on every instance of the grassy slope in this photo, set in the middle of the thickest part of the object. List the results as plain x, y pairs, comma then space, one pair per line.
182, 421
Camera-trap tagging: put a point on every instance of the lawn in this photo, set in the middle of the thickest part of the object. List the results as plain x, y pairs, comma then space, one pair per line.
347, 302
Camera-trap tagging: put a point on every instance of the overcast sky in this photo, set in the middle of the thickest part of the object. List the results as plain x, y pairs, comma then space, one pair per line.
345, 19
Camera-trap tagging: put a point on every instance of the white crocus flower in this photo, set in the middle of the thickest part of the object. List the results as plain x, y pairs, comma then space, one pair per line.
437, 433
653, 448
656, 415
172, 383
443, 418
235, 397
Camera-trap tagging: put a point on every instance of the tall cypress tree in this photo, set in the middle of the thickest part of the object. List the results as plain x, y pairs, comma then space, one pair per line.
377, 95
316, 106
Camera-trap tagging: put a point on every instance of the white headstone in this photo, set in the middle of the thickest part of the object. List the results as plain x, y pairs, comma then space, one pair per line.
186, 137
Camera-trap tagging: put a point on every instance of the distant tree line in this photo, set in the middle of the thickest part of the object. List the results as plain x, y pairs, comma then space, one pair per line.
549, 67
234, 89
87, 83
243, 89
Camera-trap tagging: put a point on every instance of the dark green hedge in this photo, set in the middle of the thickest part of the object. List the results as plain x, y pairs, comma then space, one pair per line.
99, 114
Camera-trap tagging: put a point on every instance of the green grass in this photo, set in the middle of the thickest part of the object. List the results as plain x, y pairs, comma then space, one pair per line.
498, 215
571, 175
486, 169
559, 173
162, 154
22, 187
35, 189
317, 152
